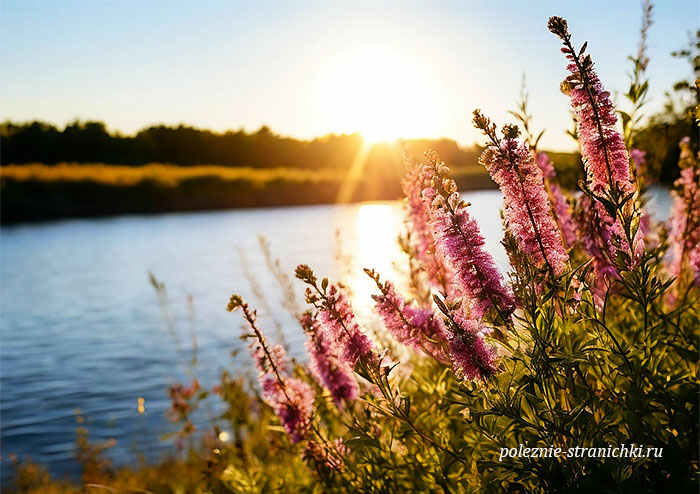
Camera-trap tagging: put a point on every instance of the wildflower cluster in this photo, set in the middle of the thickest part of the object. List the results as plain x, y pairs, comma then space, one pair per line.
336, 319
587, 344
411, 325
417, 179
561, 208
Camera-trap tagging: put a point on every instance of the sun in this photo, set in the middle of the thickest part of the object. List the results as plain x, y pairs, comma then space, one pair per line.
380, 94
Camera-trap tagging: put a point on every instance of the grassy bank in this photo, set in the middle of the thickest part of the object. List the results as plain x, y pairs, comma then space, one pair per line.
41, 192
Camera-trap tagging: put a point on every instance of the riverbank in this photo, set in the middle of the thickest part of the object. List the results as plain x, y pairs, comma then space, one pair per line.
38, 192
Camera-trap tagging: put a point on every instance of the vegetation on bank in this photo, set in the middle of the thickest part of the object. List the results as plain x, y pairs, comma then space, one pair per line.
40, 192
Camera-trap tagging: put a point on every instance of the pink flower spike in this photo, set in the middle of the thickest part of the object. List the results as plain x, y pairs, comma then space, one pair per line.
684, 236
526, 206
472, 358
338, 321
561, 208
326, 366
291, 399
605, 156
431, 259
410, 325
476, 276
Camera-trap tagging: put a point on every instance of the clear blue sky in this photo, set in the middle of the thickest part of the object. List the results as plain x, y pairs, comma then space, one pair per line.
309, 68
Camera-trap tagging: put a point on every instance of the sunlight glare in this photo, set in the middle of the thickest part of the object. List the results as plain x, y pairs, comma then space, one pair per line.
376, 230
379, 94
376, 236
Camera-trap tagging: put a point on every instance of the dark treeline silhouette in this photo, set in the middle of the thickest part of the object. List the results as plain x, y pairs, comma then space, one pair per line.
39, 197
91, 142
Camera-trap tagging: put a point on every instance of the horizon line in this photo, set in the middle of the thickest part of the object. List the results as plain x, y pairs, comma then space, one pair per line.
115, 132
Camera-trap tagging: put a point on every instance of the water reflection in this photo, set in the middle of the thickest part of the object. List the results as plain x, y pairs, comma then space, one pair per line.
374, 238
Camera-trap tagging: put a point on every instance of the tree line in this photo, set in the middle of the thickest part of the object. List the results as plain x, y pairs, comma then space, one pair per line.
91, 142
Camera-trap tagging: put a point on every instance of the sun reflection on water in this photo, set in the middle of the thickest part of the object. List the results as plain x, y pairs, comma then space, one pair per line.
375, 246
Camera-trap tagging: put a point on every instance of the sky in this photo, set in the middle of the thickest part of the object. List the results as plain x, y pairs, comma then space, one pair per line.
385, 69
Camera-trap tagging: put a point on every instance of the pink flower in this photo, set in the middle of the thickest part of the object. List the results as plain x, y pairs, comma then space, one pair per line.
563, 214
418, 178
594, 227
526, 207
472, 358
457, 234
639, 161
338, 322
694, 262
603, 149
476, 274
684, 236
291, 399
561, 208
604, 153
410, 325
326, 365
545, 164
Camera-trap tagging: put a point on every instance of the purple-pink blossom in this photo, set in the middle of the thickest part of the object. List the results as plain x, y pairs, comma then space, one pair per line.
602, 147
646, 228
561, 208
293, 402
340, 325
694, 262
639, 161
326, 365
476, 274
431, 260
472, 358
605, 156
526, 207
476, 277
684, 236
594, 227
290, 398
546, 166
410, 325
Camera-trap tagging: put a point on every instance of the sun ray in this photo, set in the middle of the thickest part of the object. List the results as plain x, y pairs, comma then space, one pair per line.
349, 184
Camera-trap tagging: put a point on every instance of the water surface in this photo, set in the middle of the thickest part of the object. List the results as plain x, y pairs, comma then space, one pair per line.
81, 327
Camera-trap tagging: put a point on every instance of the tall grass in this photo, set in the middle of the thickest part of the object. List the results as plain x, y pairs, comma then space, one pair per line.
167, 175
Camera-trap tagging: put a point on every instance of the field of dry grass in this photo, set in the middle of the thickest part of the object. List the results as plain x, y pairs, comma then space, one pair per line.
40, 192
169, 175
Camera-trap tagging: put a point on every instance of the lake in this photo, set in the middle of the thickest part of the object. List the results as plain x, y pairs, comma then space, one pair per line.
81, 326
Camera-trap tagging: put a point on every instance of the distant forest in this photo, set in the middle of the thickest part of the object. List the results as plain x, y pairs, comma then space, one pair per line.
90, 142
83, 170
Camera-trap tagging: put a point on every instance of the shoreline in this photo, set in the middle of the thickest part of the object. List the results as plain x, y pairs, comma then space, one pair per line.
48, 192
